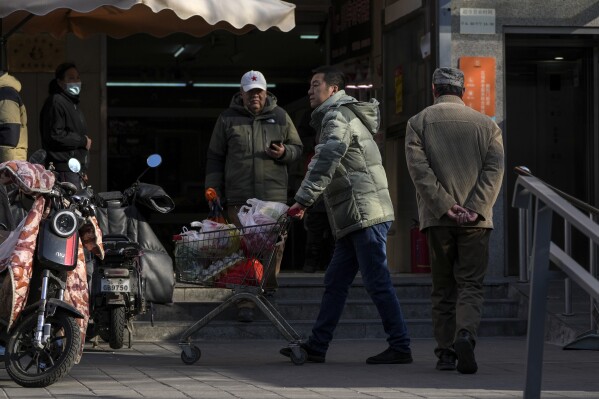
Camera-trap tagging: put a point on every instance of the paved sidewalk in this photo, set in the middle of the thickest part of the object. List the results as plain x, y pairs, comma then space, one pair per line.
254, 369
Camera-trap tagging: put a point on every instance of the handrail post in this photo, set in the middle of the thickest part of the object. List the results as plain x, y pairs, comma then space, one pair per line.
593, 271
529, 233
538, 297
567, 281
522, 245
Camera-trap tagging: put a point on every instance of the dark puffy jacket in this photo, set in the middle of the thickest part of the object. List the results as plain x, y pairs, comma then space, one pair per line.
238, 167
63, 129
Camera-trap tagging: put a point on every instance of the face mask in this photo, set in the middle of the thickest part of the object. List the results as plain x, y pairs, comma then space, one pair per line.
74, 88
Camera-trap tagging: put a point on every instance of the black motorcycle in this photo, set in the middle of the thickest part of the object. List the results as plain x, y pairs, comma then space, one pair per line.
117, 290
130, 277
44, 297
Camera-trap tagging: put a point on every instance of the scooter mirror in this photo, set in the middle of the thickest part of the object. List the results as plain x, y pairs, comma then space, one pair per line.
154, 160
74, 165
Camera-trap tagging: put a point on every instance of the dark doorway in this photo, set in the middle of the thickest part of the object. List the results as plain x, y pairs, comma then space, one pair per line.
159, 102
549, 122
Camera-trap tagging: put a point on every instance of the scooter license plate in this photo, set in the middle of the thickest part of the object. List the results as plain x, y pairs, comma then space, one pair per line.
115, 285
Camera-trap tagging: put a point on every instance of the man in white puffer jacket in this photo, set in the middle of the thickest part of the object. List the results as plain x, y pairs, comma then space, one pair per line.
347, 170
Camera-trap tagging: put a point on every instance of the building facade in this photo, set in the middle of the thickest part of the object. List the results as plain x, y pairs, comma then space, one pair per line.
533, 64
530, 65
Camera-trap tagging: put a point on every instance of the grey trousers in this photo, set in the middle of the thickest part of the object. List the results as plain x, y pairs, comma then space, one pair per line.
459, 259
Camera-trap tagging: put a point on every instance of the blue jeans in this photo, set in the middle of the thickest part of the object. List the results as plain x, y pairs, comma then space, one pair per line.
364, 250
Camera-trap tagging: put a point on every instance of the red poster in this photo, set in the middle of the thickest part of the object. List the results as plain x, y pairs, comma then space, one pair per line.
479, 80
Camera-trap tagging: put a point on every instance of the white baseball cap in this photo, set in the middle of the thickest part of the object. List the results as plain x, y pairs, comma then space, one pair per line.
253, 80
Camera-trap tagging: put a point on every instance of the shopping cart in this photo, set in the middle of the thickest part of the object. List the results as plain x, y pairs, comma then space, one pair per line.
238, 259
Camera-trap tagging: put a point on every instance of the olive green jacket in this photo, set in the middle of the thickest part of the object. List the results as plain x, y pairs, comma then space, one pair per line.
237, 164
13, 120
347, 167
454, 156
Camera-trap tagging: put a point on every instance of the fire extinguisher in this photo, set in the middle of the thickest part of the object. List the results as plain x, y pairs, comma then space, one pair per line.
419, 250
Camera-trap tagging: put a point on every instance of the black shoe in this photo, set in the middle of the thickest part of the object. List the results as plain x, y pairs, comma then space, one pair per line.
313, 356
391, 356
464, 350
245, 315
446, 361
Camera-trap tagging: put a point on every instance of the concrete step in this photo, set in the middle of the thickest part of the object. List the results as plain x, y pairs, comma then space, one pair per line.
298, 301
561, 327
308, 309
312, 288
347, 329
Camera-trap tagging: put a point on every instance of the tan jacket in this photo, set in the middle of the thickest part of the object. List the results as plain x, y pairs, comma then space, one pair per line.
454, 155
13, 120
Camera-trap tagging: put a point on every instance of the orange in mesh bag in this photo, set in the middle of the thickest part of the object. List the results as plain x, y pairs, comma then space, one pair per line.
244, 272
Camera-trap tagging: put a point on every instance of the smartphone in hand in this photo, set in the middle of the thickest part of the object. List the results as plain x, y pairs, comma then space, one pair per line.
277, 142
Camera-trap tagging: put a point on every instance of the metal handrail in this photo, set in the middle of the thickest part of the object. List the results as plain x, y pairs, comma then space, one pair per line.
583, 206
535, 196
525, 243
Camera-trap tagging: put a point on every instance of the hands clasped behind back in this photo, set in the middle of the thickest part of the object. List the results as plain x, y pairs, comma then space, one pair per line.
461, 215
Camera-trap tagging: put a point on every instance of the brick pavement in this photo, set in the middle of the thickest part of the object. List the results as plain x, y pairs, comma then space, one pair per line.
253, 369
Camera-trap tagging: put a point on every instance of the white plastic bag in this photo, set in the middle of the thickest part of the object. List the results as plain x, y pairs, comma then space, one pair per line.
220, 236
256, 217
210, 225
258, 212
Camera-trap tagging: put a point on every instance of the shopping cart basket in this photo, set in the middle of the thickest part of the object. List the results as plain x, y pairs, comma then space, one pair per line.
238, 259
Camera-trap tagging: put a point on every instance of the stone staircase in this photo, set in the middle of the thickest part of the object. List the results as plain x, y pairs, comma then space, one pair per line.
298, 301
563, 328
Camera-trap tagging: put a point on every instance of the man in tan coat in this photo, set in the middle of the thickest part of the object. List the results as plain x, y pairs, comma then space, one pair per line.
455, 158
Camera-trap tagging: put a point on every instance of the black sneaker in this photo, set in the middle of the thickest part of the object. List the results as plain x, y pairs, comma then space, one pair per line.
464, 350
313, 356
391, 356
446, 361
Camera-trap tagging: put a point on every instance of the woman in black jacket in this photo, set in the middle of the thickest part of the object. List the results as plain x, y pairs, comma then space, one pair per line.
62, 124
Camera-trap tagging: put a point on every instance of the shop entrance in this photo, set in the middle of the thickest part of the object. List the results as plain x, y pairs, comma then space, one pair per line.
551, 122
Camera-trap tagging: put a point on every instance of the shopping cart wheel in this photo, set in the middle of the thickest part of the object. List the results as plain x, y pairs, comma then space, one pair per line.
300, 359
196, 353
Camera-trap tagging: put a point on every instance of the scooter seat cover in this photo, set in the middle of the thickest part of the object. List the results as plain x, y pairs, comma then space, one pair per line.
156, 263
30, 178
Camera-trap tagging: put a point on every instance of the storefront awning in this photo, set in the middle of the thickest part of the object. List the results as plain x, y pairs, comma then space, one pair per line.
120, 18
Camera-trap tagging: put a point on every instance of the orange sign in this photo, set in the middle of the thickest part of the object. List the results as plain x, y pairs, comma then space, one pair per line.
479, 80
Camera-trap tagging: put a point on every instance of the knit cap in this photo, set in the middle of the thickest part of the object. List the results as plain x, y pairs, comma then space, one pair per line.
448, 76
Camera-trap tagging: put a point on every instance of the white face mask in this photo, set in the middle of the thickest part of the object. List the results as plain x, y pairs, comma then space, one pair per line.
74, 88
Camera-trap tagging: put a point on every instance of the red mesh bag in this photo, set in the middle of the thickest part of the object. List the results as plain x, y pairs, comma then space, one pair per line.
244, 272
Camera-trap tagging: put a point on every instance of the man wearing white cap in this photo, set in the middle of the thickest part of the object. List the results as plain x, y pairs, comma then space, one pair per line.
252, 144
